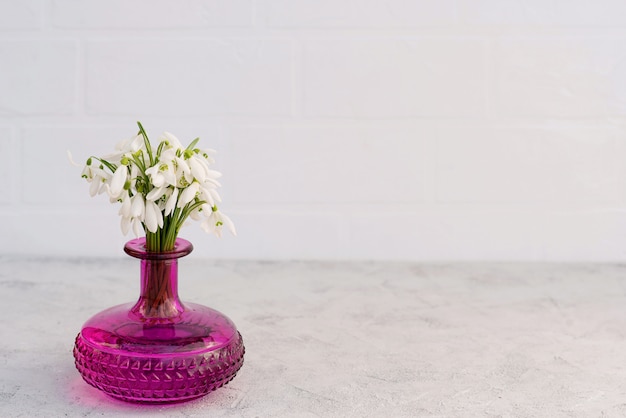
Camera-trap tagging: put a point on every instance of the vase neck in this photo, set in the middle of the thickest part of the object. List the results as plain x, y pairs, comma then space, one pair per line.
158, 298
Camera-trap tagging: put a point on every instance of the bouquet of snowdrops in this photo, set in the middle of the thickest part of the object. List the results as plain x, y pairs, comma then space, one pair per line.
158, 188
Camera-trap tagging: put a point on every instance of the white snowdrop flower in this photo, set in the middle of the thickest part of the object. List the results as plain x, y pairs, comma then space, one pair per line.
99, 180
156, 175
126, 146
215, 222
163, 172
183, 171
172, 141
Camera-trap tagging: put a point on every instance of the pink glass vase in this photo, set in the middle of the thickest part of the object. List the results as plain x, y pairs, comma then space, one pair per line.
158, 349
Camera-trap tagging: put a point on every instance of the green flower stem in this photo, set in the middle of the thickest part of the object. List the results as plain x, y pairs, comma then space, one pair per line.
164, 238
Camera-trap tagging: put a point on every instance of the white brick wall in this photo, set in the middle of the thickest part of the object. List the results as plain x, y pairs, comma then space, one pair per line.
398, 129
38, 77
178, 77
154, 14
397, 78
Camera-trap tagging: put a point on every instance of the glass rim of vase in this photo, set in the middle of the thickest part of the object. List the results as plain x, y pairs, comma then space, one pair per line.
137, 248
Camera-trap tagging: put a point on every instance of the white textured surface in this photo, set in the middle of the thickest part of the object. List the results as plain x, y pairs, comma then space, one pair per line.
343, 339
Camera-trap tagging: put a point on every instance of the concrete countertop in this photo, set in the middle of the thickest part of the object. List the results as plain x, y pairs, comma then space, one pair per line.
332, 339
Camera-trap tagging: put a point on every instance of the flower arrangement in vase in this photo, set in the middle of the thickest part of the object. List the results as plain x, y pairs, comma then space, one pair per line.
159, 349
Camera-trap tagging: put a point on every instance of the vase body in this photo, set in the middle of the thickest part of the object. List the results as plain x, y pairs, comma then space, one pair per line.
158, 349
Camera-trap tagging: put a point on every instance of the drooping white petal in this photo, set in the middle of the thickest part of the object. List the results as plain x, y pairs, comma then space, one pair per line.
137, 208
169, 176
69, 157
213, 182
205, 194
198, 170
99, 172
188, 194
134, 172
151, 171
156, 193
168, 154
137, 229
228, 223
218, 230
107, 189
174, 142
214, 174
215, 195
125, 208
160, 219
87, 173
95, 186
136, 143
171, 202
207, 154
118, 180
125, 225
208, 225
195, 215
151, 220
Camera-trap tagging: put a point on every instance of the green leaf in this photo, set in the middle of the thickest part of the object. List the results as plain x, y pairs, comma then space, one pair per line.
146, 141
191, 146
